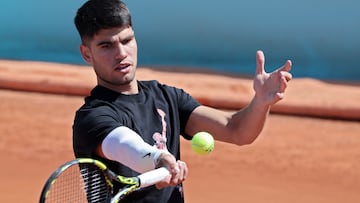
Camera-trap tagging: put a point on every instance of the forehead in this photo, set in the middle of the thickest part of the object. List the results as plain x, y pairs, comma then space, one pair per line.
117, 31
112, 34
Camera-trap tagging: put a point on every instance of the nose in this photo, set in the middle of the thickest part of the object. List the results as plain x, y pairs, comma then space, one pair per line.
120, 52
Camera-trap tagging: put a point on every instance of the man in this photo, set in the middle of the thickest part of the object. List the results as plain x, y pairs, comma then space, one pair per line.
134, 126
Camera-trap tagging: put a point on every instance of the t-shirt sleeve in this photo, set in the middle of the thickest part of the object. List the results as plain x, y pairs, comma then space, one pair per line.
91, 127
187, 104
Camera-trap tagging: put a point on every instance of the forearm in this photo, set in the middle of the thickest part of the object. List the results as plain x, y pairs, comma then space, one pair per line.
127, 147
246, 125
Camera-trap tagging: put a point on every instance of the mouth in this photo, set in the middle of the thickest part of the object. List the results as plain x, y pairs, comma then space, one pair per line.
123, 68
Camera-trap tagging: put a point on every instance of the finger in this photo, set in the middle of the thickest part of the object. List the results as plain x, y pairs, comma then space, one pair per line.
183, 169
287, 66
175, 174
175, 169
283, 83
286, 75
260, 62
279, 96
186, 171
164, 182
181, 173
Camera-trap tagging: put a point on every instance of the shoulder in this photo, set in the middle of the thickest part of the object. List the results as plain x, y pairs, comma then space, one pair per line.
98, 105
155, 85
152, 84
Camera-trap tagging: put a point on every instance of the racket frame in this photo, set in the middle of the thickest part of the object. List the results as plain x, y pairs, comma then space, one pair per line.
131, 183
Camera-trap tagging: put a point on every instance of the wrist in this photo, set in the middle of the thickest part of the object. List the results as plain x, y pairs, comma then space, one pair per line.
158, 156
260, 103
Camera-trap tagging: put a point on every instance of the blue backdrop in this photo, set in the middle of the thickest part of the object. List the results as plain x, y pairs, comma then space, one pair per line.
321, 37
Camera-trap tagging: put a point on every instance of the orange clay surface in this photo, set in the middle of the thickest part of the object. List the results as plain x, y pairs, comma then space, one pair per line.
301, 155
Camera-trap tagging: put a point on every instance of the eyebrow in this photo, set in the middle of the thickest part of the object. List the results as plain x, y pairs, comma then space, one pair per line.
105, 42
111, 41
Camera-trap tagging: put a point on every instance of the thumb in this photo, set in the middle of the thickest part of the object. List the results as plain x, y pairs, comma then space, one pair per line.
260, 62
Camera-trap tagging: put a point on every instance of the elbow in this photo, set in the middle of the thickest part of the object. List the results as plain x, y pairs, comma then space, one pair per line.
243, 143
243, 140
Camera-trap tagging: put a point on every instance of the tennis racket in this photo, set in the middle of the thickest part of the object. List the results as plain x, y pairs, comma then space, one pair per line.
89, 180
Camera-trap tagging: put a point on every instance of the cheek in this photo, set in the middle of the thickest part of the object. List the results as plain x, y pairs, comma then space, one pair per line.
134, 53
133, 48
103, 56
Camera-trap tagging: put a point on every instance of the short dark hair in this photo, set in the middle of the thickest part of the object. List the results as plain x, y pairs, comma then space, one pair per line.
95, 15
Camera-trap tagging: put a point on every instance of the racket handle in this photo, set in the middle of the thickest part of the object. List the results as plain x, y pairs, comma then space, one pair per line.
152, 177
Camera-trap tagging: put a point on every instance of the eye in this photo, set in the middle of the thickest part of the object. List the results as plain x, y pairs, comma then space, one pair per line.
125, 41
105, 45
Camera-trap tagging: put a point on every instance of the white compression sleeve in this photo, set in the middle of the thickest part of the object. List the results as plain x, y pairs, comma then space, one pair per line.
127, 147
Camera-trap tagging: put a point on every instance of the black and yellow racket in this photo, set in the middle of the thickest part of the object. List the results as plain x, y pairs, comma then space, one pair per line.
89, 180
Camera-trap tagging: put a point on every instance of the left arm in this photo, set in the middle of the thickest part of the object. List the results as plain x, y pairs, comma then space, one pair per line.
244, 126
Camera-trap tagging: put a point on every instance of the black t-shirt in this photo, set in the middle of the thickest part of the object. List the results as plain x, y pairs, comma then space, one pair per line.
158, 113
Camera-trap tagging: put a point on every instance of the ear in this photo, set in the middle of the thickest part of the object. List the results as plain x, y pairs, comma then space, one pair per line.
85, 53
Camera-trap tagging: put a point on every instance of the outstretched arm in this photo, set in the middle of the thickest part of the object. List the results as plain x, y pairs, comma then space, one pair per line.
127, 147
244, 126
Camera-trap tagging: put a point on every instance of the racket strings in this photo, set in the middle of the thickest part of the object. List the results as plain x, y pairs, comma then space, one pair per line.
84, 183
95, 184
65, 188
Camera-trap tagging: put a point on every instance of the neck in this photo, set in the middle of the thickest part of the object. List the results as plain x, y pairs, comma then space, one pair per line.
127, 89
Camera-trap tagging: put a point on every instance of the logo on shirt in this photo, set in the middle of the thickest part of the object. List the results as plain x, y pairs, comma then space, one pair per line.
147, 155
160, 138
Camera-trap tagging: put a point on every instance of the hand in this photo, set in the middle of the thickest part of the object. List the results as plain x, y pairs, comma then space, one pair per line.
178, 170
270, 87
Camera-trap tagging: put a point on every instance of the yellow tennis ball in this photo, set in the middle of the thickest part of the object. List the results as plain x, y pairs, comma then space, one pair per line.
202, 143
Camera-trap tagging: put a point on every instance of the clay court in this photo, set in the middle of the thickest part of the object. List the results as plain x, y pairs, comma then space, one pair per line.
308, 151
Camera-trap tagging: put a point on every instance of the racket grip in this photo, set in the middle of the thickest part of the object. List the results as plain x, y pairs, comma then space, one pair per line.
152, 177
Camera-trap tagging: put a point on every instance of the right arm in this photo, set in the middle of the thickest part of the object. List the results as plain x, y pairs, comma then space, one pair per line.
127, 147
